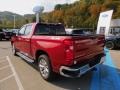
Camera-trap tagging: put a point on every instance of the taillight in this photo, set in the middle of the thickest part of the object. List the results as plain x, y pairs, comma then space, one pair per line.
69, 49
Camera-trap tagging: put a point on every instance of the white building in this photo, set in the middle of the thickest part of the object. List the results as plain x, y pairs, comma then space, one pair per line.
115, 27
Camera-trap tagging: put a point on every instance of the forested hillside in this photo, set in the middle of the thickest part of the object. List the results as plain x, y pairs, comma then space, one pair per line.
83, 13
7, 19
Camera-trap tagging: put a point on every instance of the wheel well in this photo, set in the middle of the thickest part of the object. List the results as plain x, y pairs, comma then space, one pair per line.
38, 53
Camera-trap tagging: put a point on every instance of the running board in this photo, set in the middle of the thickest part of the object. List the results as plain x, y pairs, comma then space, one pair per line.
25, 57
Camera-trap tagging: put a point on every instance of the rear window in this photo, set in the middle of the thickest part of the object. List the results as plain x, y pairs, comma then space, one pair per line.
49, 29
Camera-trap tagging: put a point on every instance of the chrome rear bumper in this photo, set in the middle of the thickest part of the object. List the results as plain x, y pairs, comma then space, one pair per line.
76, 72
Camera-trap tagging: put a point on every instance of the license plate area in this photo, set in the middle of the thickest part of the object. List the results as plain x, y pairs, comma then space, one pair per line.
83, 69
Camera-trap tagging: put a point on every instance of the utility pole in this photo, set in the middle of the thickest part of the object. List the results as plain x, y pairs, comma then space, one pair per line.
37, 17
14, 26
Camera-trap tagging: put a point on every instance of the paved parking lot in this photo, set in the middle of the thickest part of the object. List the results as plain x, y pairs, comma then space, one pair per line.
8, 77
16, 74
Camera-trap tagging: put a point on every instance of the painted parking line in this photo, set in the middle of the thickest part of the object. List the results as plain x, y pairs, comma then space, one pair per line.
2, 58
4, 67
2, 61
15, 74
106, 76
12, 75
6, 78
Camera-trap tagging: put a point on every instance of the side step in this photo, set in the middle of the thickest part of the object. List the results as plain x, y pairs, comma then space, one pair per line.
25, 57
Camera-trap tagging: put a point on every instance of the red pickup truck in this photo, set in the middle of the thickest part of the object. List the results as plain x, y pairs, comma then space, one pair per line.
54, 51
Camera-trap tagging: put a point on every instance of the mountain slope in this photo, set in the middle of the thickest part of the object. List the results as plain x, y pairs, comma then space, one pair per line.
9, 16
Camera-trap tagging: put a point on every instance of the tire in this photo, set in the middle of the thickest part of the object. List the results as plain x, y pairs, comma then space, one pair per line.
110, 45
45, 67
14, 50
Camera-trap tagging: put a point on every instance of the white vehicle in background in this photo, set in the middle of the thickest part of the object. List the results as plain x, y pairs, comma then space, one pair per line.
79, 31
15, 31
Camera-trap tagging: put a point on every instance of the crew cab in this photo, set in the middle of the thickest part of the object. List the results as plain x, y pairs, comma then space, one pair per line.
54, 51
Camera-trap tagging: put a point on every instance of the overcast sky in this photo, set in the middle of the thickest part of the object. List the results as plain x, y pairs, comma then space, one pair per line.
26, 6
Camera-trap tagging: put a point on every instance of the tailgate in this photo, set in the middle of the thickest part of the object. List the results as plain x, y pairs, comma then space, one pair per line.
86, 47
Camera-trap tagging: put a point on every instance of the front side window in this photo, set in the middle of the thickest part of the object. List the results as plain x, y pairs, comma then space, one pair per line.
28, 29
22, 31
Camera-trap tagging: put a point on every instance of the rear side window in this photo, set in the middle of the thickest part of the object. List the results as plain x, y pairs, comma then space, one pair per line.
49, 29
42, 29
28, 29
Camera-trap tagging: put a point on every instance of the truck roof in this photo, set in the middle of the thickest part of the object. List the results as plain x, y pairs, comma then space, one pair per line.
45, 23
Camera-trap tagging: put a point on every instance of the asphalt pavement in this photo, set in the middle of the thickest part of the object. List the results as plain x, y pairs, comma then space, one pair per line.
17, 74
